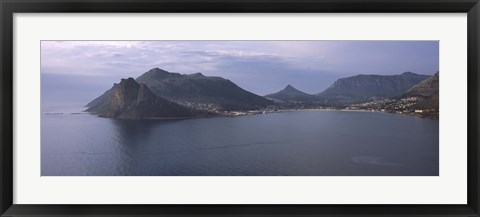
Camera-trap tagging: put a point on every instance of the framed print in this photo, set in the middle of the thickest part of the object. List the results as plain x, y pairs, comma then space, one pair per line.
265, 108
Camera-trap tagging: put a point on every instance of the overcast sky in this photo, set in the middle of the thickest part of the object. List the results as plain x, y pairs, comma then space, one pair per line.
261, 67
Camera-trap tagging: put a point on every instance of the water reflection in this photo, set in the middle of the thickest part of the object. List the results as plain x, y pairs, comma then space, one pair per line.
134, 142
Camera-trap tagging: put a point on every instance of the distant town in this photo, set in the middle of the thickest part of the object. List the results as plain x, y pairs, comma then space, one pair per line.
398, 106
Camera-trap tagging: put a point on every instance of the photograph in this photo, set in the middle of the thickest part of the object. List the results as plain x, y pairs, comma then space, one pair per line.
239, 108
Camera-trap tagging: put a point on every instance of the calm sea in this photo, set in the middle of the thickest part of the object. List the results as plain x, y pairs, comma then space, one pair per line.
299, 143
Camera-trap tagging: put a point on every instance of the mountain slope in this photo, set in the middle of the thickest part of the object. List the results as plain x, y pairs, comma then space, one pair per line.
291, 94
428, 91
363, 87
195, 90
131, 100
427, 88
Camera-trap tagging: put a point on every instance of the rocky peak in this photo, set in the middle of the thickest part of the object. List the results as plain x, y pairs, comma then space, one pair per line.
291, 94
156, 74
198, 74
408, 74
131, 100
127, 83
289, 88
156, 70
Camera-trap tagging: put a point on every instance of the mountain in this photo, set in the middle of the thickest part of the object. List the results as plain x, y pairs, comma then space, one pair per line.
200, 91
365, 87
131, 100
427, 88
428, 91
291, 94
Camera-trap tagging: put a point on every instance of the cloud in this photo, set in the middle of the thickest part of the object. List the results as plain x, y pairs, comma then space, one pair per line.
275, 63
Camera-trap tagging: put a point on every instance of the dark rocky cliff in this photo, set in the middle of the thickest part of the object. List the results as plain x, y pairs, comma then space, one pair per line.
131, 100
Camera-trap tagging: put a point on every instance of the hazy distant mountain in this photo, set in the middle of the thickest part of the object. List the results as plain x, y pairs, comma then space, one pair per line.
364, 87
131, 100
199, 89
291, 94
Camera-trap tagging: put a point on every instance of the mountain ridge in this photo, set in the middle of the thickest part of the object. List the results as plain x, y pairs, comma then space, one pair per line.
161, 94
197, 90
363, 87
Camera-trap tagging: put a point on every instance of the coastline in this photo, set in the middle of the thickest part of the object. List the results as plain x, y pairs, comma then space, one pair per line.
248, 113
419, 115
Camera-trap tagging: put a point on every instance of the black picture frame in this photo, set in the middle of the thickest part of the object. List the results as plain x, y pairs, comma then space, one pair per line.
9, 7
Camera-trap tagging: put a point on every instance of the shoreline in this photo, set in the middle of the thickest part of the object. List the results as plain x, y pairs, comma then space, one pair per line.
246, 113
419, 115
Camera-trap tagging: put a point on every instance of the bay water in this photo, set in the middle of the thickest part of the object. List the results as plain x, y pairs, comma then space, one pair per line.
294, 143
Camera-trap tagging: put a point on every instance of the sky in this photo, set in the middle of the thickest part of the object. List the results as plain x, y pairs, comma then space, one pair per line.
91, 67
